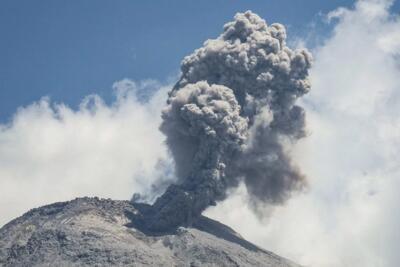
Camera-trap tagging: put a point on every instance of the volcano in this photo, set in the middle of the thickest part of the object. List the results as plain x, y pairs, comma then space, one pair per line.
104, 232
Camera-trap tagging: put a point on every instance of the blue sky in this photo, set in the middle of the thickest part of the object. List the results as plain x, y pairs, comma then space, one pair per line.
69, 49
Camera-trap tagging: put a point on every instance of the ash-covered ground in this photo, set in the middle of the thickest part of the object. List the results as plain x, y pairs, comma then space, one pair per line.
102, 232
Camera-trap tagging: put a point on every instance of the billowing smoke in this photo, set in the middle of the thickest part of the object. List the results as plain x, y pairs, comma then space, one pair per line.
231, 117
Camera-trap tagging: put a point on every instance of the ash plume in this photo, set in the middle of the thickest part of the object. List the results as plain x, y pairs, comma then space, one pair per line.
230, 117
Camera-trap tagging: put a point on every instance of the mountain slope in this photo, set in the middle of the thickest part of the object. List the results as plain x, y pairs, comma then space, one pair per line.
99, 232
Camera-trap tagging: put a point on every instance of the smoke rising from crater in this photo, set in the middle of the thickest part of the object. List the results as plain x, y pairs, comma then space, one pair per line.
231, 114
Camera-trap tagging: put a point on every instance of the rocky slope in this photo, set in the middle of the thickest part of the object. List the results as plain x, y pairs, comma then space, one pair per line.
99, 232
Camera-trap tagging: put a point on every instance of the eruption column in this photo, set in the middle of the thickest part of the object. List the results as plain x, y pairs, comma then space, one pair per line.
229, 117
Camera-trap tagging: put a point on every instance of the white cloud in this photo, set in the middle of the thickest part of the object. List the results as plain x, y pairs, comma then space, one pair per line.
350, 215
50, 152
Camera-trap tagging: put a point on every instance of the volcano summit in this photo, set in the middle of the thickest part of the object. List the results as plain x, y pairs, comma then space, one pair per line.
99, 232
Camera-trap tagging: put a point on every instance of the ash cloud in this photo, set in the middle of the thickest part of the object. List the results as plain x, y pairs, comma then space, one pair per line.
230, 116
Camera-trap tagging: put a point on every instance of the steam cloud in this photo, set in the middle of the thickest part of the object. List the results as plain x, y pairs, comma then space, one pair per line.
229, 118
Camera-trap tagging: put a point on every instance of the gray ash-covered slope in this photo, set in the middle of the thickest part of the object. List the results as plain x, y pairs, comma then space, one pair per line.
98, 232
